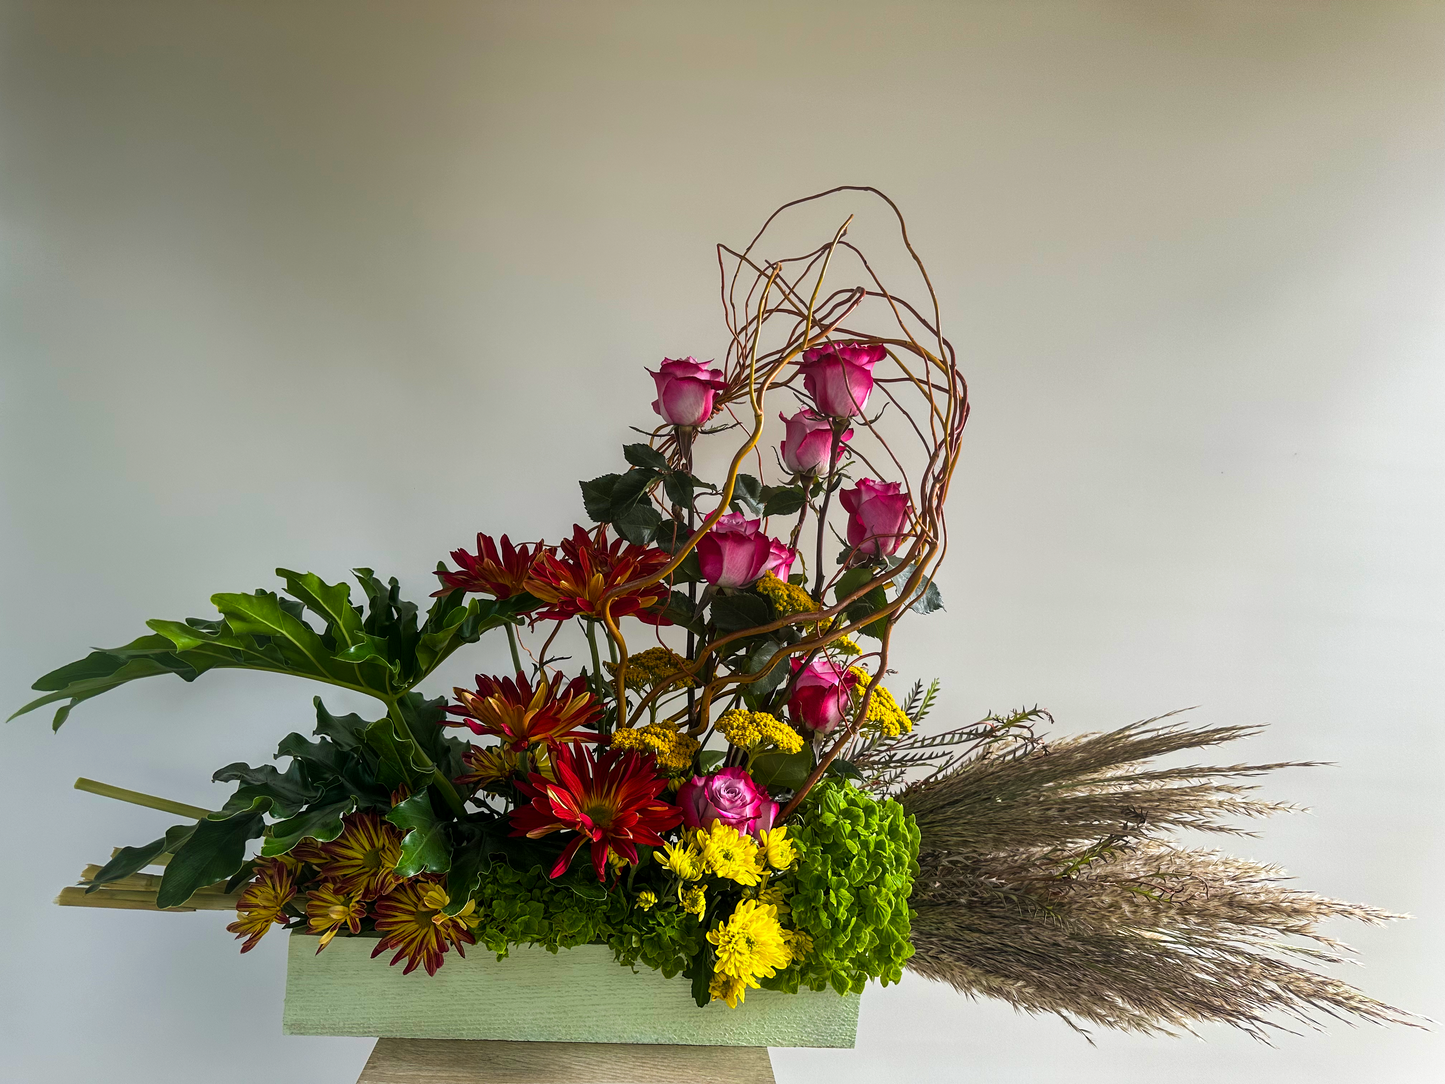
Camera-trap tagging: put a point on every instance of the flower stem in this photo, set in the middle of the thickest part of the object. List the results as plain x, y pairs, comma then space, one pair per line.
135, 797
512, 643
823, 508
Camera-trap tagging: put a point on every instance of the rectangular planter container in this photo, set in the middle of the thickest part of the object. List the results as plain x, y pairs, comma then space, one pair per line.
578, 995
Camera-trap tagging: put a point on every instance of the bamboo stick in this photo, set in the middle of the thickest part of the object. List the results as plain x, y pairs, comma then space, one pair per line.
135, 797
78, 897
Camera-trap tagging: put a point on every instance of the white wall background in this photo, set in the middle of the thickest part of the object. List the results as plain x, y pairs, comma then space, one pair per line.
322, 285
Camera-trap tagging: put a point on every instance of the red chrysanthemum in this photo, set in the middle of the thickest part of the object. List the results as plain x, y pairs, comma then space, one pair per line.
492, 571
521, 716
610, 801
574, 580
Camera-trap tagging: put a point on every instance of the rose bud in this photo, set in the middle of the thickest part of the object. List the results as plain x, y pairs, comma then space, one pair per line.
735, 552
877, 514
821, 694
809, 443
840, 378
685, 391
729, 796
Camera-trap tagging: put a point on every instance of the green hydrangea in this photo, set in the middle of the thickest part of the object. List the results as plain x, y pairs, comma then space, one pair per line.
529, 908
857, 860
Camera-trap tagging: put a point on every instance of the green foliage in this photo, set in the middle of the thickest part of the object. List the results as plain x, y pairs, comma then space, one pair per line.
425, 846
857, 860
528, 908
383, 651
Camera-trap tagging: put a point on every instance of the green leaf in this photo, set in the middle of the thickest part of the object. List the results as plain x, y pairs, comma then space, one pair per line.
682, 611
425, 846
322, 822
469, 862
330, 602
870, 603
709, 759
631, 488
597, 497
737, 612
785, 770
642, 455
679, 488
344, 730
843, 769
214, 851
301, 649
126, 861
747, 493
638, 523
758, 658
289, 793
783, 500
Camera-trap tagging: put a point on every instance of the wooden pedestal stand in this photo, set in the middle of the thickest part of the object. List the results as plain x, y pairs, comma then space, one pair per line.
484, 1061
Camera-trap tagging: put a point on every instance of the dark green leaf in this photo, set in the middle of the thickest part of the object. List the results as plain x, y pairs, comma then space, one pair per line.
709, 759
631, 488
844, 769
322, 822
638, 523
344, 730
759, 657
783, 500
597, 497
736, 612
784, 770
214, 851
870, 603
682, 611
425, 846
678, 487
747, 493
127, 860
641, 455
289, 793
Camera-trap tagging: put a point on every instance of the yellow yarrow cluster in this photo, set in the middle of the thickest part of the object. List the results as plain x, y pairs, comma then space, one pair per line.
654, 666
729, 854
787, 598
751, 729
750, 945
885, 717
674, 751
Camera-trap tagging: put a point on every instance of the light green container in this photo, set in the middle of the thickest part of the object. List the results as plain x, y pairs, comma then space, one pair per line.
578, 995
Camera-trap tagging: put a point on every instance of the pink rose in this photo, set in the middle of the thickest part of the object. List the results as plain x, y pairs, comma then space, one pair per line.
840, 378
736, 552
729, 796
809, 443
877, 515
685, 391
780, 559
821, 694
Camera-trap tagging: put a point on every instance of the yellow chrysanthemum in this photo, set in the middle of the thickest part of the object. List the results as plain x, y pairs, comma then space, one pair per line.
750, 944
655, 666
728, 989
799, 944
694, 900
646, 899
683, 859
777, 848
674, 751
729, 854
885, 717
787, 598
775, 896
751, 730
327, 910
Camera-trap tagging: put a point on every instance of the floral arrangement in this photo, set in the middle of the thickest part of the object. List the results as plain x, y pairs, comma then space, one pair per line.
725, 787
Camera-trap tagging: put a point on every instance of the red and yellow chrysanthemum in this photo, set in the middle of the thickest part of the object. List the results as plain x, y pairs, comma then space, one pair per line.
361, 862
264, 900
586, 567
522, 717
327, 910
491, 571
410, 919
610, 802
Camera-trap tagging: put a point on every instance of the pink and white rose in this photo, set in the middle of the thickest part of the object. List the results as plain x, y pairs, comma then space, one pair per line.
736, 553
822, 694
809, 443
877, 516
685, 391
839, 378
